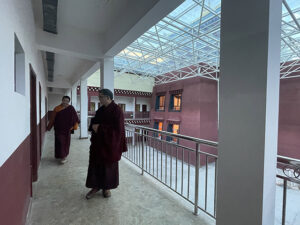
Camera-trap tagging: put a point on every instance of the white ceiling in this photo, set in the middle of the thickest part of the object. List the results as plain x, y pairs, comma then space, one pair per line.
67, 66
93, 16
87, 29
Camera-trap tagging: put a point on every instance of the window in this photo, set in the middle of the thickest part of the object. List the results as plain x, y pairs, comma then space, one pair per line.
92, 106
174, 128
137, 107
122, 106
175, 102
159, 126
160, 103
19, 64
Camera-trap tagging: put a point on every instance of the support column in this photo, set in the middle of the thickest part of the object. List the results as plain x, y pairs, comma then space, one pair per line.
68, 92
74, 96
107, 73
249, 100
83, 109
96, 105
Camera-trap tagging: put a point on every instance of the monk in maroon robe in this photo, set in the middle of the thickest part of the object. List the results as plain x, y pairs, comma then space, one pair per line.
64, 119
107, 145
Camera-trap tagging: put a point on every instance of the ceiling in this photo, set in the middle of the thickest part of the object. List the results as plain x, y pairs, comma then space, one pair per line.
79, 33
95, 16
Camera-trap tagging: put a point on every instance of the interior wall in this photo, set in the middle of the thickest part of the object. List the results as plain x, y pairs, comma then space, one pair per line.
54, 100
16, 18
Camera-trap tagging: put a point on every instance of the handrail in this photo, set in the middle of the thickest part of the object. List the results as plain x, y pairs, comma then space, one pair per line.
285, 159
201, 141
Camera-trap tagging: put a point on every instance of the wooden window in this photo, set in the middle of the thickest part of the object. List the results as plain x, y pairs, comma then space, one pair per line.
173, 128
175, 102
122, 106
160, 103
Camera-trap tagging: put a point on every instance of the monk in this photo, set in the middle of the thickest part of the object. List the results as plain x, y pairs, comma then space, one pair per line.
65, 120
107, 145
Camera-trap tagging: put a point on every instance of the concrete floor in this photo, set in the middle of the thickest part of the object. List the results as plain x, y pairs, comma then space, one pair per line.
59, 195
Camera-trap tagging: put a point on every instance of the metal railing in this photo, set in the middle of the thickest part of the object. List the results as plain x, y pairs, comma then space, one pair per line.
177, 162
289, 173
188, 166
141, 115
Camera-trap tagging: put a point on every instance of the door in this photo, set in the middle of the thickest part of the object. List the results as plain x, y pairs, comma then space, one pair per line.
144, 108
40, 116
33, 127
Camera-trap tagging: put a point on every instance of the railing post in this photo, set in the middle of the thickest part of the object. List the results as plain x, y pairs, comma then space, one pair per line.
284, 201
142, 152
196, 178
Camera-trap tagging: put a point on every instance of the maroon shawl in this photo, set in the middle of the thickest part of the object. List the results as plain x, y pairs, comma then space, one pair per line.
63, 120
109, 142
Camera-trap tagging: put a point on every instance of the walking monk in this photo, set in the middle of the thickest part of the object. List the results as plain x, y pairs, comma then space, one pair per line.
107, 145
64, 119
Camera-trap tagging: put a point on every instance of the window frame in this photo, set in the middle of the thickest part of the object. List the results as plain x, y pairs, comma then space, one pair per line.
173, 139
156, 126
171, 104
158, 107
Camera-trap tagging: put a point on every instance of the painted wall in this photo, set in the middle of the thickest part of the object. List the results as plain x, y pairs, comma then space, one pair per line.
144, 101
198, 116
289, 118
125, 81
54, 100
16, 18
129, 101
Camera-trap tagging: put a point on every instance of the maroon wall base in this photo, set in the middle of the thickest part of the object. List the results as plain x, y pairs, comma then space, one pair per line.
15, 183
15, 188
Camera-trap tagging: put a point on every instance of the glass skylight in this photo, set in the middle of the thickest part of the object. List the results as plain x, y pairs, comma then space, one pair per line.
187, 43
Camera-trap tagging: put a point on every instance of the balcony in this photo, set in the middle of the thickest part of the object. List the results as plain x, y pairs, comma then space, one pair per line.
138, 115
184, 167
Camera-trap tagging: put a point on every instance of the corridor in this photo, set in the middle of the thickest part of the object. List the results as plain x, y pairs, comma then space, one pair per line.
59, 195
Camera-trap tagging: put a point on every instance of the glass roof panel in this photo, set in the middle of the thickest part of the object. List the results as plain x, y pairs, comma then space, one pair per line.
190, 36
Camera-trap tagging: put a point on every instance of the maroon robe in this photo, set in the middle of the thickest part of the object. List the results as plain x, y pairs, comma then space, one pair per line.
107, 146
63, 121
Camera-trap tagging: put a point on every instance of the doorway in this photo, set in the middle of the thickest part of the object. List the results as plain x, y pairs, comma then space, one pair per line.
40, 116
144, 108
33, 128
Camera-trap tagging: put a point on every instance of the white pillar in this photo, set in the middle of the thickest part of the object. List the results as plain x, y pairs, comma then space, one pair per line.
249, 99
74, 96
68, 92
96, 105
83, 109
107, 73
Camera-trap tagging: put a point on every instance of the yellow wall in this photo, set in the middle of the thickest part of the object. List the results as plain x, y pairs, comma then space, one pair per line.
125, 81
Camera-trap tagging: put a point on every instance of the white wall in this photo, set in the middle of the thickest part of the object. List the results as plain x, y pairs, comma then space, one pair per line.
17, 17
143, 101
54, 100
78, 103
126, 100
129, 101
